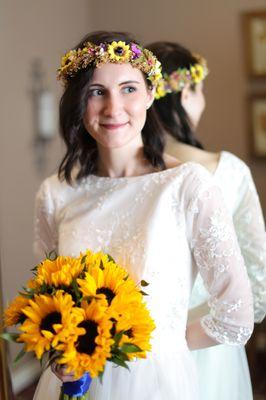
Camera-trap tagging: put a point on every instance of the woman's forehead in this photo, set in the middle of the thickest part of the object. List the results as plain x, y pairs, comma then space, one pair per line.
115, 74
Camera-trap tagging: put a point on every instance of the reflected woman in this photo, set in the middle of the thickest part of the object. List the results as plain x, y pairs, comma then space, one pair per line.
223, 370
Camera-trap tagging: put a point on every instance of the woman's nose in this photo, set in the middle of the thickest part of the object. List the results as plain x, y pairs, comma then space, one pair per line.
113, 105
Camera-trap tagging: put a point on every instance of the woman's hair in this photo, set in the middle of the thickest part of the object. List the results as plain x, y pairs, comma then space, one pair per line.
172, 114
81, 147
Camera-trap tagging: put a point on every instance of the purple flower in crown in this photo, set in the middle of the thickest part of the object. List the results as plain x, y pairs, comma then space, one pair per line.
136, 51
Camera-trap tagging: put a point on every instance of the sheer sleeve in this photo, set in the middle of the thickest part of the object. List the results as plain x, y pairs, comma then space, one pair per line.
45, 232
217, 256
250, 230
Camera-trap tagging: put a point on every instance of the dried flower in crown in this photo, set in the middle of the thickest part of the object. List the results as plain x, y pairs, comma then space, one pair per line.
177, 80
115, 52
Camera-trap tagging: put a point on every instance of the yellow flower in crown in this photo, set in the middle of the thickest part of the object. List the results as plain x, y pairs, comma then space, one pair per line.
60, 271
50, 321
197, 73
13, 314
92, 348
119, 51
68, 59
160, 89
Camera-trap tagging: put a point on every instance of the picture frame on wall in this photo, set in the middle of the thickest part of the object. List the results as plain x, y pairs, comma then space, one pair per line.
257, 114
254, 24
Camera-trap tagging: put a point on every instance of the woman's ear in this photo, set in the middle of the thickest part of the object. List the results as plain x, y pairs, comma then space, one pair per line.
185, 94
151, 94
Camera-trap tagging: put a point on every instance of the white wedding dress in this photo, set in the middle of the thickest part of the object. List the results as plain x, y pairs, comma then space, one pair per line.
223, 370
163, 227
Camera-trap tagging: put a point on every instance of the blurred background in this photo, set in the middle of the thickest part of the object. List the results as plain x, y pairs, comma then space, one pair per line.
33, 37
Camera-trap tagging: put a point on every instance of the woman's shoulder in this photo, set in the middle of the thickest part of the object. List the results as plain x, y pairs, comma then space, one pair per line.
54, 187
232, 163
185, 153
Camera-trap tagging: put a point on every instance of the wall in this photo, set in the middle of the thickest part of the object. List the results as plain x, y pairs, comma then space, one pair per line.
29, 29
212, 28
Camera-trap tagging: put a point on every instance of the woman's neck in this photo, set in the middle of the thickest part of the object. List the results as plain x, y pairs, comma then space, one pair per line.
117, 162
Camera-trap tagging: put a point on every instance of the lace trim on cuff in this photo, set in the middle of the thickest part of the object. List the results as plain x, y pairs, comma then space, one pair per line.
217, 330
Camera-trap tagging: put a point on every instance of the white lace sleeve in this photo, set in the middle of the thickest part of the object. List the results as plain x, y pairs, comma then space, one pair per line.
219, 261
45, 232
250, 230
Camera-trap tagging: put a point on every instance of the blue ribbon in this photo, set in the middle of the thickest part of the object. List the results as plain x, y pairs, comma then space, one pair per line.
79, 387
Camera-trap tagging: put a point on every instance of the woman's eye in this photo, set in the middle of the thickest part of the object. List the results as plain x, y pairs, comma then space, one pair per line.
129, 89
96, 92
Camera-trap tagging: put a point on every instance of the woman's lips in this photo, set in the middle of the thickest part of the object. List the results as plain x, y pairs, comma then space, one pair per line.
113, 126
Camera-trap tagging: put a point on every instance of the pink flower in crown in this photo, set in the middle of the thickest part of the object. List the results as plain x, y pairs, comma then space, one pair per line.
136, 51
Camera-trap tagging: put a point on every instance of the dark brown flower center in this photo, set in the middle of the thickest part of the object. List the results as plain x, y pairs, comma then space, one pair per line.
49, 320
109, 294
86, 343
129, 333
119, 51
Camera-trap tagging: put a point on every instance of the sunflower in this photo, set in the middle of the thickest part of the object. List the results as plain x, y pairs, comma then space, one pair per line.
197, 73
60, 271
50, 320
91, 350
13, 314
109, 280
119, 52
136, 323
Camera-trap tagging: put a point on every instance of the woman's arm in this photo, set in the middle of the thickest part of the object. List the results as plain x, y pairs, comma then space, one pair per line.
250, 230
217, 256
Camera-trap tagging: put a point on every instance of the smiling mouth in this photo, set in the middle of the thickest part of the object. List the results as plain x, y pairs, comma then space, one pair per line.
113, 126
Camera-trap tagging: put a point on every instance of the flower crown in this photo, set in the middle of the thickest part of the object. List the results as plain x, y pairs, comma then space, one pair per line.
177, 80
115, 52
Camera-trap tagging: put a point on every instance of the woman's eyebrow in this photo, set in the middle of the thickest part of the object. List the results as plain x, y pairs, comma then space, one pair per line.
120, 84
127, 82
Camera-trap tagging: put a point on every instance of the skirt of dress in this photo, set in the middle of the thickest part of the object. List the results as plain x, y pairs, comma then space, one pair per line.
159, 377
223, 373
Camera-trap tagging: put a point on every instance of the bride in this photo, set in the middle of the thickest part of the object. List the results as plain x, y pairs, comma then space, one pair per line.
118, 191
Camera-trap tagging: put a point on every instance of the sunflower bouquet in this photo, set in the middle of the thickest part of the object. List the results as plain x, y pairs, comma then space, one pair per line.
81, 313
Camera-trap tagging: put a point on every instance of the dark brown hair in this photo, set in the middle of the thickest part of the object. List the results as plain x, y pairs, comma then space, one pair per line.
169, 109
81, 148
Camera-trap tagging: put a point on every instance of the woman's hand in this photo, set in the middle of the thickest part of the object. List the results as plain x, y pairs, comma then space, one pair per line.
60, 372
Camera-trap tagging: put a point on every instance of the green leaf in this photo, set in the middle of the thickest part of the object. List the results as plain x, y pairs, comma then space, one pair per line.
130, 348
100, 376
76, 288
118, 337
83, 260
118, 361
110, 258
19, 356
144, 283
52, 256
10, 337
143, 293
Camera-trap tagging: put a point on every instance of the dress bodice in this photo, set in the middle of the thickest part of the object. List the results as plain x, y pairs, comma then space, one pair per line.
163, 227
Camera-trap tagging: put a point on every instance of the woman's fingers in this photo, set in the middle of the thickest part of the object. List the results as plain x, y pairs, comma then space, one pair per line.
60, 372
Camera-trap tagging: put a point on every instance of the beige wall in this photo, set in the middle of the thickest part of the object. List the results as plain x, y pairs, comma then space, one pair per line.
29, 29
212, 28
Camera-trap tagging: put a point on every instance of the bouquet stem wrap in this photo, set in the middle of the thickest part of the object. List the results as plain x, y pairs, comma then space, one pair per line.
76, 390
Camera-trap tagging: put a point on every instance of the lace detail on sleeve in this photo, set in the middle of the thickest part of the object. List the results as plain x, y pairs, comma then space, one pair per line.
250, 230
218, 258
45, 232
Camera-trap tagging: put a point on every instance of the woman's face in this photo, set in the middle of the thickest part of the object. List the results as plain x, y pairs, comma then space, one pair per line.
117, 104
193, 101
